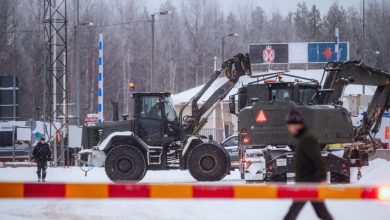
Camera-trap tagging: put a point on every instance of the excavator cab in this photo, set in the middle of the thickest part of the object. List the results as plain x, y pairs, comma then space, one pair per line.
301, 93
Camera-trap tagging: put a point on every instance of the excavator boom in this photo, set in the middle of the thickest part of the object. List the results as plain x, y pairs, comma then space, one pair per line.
341, 74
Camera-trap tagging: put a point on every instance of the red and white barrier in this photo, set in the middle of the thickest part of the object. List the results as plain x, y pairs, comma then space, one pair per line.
187, 191
5, 164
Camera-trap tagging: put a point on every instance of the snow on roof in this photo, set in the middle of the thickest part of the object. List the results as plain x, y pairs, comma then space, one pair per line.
316, 74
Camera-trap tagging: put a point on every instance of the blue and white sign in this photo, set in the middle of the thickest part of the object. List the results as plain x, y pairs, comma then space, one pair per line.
325, 52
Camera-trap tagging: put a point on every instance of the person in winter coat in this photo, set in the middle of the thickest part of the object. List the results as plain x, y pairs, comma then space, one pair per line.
41, 154
309, 165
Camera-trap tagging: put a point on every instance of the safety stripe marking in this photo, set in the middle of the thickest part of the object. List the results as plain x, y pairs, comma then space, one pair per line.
297, 192
12, 190
87, 190
254, 192
45, 190
171, 191
128, 191
369, 193
208, 191
185, 191
339, 193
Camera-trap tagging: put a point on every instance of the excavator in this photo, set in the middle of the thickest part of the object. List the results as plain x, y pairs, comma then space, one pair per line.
155, 137
263, 134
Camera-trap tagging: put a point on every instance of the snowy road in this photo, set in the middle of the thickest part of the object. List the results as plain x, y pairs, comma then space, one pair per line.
378, 172
75, 174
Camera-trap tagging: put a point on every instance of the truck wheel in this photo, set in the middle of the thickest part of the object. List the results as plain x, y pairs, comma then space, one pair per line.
208, 162
125, 163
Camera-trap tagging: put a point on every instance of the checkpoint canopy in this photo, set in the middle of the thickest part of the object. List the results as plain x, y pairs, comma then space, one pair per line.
304, 55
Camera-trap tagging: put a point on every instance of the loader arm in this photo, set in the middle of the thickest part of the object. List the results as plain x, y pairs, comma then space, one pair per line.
341, 74
233, 68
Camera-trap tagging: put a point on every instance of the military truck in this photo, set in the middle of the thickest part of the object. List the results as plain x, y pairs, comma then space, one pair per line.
265, 146
155, 137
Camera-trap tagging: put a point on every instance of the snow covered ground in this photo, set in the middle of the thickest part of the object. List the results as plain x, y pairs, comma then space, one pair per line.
377, 173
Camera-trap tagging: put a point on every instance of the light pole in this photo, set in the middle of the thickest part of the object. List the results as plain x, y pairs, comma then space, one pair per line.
152, 21
223, 44
77, 60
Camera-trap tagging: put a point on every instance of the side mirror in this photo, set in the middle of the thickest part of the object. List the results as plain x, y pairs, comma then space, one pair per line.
232, 104
340, 103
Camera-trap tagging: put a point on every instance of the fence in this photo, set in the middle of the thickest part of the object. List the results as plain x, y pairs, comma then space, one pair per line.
216, 132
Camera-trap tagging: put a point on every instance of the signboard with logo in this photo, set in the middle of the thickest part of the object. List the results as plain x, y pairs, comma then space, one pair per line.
268, 53
297, 53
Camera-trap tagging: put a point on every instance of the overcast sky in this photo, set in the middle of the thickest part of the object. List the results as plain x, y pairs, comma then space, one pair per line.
284, 6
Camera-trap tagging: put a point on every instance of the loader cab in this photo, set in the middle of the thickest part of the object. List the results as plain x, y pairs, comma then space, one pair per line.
156, 117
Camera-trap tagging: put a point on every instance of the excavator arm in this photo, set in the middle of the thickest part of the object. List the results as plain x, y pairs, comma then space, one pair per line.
341, 74
233, 68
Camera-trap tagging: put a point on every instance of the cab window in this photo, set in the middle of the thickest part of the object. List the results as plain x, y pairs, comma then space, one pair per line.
150, 107
306, 95
281, 94
170, 112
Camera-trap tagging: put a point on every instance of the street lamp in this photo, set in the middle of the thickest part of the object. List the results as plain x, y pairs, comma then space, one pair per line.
77, 59
224, 42
152, 21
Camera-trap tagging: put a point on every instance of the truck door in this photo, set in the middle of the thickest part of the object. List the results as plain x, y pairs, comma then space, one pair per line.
150, 120
171, 131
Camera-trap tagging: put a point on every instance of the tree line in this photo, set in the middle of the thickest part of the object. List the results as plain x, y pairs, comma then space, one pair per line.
186, 42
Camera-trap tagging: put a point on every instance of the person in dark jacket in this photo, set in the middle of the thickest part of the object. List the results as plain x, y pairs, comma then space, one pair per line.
42, 154
309, 165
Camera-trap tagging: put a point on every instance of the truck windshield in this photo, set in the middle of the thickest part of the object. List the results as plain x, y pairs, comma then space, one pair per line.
281, 94
306, 95
170, 111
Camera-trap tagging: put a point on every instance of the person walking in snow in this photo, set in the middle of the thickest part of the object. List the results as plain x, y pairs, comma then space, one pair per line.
309, 165
41, 154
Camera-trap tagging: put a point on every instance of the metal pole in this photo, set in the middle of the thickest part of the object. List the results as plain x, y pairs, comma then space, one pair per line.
337, 44
77, 64
54, 70
152, 60
214, 112
223, 50
215, 63
363, 42
100, 79
14, 97
13, 143
64, 130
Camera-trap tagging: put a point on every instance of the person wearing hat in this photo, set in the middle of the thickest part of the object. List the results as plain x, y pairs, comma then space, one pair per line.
41, 154
309, 165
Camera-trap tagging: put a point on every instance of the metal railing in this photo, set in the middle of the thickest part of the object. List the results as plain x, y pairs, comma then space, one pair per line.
217, 133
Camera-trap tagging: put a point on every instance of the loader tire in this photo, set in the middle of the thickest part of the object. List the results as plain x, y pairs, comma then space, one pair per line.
208, 162
125, 163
